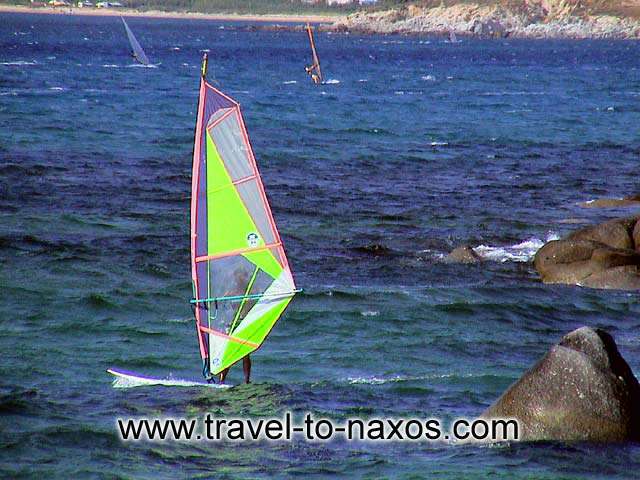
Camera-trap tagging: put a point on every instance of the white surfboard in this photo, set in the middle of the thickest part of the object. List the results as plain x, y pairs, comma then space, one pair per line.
131, 380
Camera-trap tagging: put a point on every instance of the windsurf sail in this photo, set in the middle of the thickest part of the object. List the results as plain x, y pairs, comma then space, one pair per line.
241, 278
136, 49
314, 69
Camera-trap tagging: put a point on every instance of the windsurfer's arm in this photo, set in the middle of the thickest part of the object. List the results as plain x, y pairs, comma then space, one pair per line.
311, 68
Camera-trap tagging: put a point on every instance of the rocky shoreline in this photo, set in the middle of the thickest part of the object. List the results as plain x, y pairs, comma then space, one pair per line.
532, 19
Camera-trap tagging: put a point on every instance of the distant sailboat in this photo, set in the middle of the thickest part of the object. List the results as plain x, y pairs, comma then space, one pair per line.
452, 37
314, 69
136, 49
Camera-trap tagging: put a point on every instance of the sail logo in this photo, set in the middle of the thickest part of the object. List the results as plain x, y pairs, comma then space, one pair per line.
253, 239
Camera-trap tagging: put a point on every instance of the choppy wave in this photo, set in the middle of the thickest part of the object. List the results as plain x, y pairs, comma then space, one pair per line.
290, 82
520, 252
331, 81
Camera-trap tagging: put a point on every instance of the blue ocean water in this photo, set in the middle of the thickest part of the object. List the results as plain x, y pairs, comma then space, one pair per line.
412, 147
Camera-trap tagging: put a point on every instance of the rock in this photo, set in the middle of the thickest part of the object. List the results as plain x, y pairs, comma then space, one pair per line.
488, 28
630, 201
619, 278
463, 254
599, 256
614, 233
374, 249
531, 19
635, 235
581, 390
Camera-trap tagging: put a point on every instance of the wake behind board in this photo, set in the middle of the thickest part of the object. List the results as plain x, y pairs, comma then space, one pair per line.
131, 380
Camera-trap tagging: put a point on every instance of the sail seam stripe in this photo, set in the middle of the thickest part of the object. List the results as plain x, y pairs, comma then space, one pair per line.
238, 251
218, 121
237, 182
228, 337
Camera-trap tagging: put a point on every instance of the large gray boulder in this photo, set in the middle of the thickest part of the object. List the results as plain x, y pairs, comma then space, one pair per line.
581, 390
599, 256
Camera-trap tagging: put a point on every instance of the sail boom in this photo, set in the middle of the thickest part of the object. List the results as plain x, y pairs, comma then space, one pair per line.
239, 298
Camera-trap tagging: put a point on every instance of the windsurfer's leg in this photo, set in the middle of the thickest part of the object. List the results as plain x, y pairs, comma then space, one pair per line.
223, 374
246, 367
206, 373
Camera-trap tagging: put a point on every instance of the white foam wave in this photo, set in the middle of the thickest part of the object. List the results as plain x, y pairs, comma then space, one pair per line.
428, 78
110, 65
370, 313
290, 82
439, 144
18, 63
508, 94
381, 380
139, 65
521, 252
331, 81
180, 320
129, 381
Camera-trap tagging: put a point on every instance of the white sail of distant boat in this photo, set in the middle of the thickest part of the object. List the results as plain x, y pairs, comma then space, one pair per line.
136, 49
452, 37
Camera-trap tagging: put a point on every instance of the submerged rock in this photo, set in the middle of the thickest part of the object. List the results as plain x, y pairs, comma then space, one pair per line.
463, 254
631, 201
581, 390
599, 256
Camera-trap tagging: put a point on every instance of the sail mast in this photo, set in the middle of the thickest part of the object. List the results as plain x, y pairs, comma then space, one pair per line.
199, 311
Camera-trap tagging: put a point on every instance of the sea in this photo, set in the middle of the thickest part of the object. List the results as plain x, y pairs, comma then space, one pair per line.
412, 146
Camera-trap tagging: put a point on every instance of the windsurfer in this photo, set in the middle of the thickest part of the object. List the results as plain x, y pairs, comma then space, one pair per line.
312, 70
246, 368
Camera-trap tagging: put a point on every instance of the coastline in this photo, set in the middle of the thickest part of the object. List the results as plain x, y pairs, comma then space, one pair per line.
127, 12
533, 21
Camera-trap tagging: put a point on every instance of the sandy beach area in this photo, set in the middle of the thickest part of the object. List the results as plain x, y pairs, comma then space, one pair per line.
116, 12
